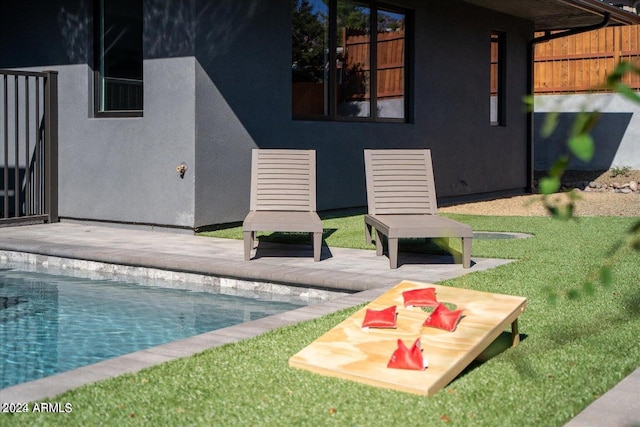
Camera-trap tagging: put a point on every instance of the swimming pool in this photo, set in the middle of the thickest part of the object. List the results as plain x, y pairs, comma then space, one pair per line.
52, 323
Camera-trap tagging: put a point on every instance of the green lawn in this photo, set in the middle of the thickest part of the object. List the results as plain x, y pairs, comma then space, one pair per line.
571, 353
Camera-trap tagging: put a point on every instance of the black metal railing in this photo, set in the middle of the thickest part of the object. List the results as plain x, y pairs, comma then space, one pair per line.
121, 94
29, 153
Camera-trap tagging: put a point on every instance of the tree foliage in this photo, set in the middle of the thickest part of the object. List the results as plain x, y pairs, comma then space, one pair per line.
309, 45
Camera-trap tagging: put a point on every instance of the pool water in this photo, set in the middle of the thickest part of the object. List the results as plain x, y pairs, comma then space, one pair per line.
54, 323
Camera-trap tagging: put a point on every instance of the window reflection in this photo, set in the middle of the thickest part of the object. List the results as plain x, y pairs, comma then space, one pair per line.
310, 57
354, 60
390, 65
335, 44
496, 111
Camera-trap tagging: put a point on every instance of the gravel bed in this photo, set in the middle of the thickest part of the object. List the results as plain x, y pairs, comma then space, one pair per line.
590, 203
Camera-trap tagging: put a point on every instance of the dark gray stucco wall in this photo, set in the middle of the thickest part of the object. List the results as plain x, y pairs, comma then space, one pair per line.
244, 92
452, 105
217, 83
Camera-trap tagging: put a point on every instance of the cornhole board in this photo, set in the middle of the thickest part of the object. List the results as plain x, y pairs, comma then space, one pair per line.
347, 351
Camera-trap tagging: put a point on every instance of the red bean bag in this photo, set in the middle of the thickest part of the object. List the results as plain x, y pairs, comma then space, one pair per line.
385, 318
424, 297
408, 358
443, 318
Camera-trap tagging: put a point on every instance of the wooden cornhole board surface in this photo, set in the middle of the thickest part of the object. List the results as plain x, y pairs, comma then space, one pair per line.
349, 352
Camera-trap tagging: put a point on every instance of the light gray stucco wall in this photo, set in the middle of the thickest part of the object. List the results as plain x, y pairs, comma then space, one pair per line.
114, 169
616, 135
124, 169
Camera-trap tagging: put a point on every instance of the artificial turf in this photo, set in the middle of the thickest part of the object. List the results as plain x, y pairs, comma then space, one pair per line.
573, 350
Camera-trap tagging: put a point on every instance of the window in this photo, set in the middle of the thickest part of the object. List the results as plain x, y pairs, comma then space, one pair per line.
333, 46
497, 73
118, 57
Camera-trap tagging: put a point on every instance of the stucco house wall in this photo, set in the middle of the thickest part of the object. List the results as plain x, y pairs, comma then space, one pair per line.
251, 94
616, 135
217, 83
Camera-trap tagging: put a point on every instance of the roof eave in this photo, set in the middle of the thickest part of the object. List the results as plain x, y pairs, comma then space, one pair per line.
618, 15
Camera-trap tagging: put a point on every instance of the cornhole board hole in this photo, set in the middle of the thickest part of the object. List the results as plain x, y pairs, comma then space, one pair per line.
347, 351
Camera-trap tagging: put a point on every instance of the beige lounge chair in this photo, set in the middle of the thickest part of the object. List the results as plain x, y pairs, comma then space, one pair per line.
401, 198
283, 196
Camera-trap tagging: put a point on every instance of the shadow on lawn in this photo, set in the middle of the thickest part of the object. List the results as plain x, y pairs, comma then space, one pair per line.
500, 344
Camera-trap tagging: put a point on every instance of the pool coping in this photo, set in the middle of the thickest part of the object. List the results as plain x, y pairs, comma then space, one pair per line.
351, 270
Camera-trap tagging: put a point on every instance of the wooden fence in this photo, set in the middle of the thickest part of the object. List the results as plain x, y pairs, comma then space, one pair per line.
580, 63
572, 64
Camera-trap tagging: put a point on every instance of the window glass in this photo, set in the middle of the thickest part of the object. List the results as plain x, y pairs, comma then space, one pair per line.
334, 45
310, 58
353, 60
119, 55
390, 65
496, 97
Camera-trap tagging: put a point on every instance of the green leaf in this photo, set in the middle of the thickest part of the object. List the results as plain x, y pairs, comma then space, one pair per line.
549, 184
565, 212
559, 166
591, 121
582, 146
627, 92
621, 69
584, 122
550, 124
528, 102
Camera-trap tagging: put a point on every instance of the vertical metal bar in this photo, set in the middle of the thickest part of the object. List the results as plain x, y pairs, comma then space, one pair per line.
37, 188
16, 151
373, 63
6, 147
27, 157
51, 145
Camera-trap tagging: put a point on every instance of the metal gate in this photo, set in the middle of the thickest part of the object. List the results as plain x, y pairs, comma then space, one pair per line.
29, 151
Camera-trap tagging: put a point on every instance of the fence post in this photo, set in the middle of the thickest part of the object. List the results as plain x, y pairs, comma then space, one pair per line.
51, 145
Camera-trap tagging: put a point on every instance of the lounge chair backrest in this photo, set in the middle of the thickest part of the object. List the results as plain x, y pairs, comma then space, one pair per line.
283, 180
400, 182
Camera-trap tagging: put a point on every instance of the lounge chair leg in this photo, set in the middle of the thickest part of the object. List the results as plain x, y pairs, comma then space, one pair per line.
393, 252
466, 252
515, 334
378, 243
317, 246
248, 244
367, 233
